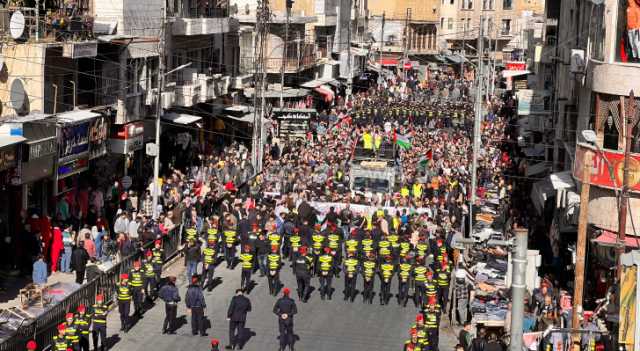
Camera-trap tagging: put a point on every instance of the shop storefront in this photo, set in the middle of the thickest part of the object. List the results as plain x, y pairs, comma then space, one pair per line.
293, 123
38, 158
9, 170
125, 146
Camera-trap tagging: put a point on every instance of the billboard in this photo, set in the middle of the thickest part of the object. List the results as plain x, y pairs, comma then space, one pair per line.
600, 175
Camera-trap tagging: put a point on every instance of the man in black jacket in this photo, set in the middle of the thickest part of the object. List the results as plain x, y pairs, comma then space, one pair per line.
79, 259
196, 304
237, 317
285, 308
170, 295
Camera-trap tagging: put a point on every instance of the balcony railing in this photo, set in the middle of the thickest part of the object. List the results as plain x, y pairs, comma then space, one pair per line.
195, 9
64, 24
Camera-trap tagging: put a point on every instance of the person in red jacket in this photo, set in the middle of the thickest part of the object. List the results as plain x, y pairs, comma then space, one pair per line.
56, 248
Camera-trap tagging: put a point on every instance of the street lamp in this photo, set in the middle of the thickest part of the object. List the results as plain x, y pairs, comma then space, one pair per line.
156, 161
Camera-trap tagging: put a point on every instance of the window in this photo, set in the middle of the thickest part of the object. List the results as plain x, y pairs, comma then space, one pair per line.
487, 4
442, 22
452, 2
467, 4
505, 29
450, 24
507, 4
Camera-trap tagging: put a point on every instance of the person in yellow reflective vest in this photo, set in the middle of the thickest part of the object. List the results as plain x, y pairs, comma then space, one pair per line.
230, 240
404, 280
99, 323
368, 273
246, 257
71, 333
417, 191
274, 262
149, 274
296, 241
413, 344
136, 276
209, 255
404, 192
386, 274
443, 284
59, 342
157, 260
123, 291
350, 275
367, 141
419, 277
432, 323
83, 324
326, 273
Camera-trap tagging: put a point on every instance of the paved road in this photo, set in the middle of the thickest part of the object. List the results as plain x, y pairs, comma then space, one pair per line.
320, 325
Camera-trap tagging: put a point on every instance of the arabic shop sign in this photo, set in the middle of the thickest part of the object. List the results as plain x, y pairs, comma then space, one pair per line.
41, 148
73, 141
98, 137
600, 175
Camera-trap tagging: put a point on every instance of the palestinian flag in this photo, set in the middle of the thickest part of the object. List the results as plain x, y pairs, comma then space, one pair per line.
402, 140
424, 160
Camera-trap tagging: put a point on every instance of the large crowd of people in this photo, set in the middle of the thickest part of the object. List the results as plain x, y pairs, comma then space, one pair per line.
370, 239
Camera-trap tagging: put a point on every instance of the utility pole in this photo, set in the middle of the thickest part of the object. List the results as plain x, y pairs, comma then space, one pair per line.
260, 79
405, 54
463, 51
382, 38
161, 68
518, 288
476, 123
581, 245
349, 69
629, 111
285, 56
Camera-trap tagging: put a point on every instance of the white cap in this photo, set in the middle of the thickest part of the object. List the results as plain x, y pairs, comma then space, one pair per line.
460, 274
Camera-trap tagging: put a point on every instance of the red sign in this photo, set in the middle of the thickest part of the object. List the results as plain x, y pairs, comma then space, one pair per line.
516, 66
129, 131
407, 65
600, 175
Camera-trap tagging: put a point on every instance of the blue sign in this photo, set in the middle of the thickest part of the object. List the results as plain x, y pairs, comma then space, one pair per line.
74, 141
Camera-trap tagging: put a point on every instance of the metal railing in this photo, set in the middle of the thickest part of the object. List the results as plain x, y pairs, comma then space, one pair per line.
43, 328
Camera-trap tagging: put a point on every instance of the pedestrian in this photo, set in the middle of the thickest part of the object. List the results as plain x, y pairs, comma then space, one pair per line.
170, 295
79, 260
59, 341
209, 256
150, 284
99, 323
285, 308
124, 301
302, 267
39, 275
275, 262
196, 305
57, 248
246, 257
67, 241
237, 317
71, 332
192, 257
479, 343
465, 336
157, 259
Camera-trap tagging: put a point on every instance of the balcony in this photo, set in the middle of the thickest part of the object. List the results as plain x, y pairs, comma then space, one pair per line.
193, 17
192, 88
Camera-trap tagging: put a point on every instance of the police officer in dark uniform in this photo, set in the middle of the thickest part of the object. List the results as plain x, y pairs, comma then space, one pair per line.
274, 263
285, 308
150, 284
124, 301
99, 320
194, 300
350, 276
247, 259
326, 273
83, 322
170, 295
136, 276
237, 316
302, 267
157, 260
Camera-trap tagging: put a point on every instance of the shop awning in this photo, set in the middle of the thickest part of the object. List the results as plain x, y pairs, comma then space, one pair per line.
316, 82
608, 238
275, 93
247, 118
326, 92
514, 73
8, 140
180, 118
76, 116
388, 61
562, 180
455, 58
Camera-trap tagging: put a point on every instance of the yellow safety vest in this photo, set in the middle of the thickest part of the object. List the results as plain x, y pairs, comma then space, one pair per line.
136, 278
334, 241
247, 260
230, 237
295, 241
157, 256
209, 254
419, 273
274, 261
351, 265
60, 343
124, 293
326, 261
99, 314
367, 140
387, 271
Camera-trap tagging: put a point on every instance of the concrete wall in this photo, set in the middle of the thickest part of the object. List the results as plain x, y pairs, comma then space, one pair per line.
421, 10
24, 62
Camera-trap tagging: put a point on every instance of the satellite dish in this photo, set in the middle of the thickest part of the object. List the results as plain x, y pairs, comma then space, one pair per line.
17, 25
17, 94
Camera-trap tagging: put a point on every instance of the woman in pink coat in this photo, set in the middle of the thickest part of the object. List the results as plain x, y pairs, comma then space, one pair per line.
56, 247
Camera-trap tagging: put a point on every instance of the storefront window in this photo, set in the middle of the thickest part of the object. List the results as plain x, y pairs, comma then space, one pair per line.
628, 39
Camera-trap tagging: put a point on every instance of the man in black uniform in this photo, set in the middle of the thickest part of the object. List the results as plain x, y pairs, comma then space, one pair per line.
136, 275
195, 302
302, 267
99, 320
237, 317
285, 308
124, 301
170, 295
